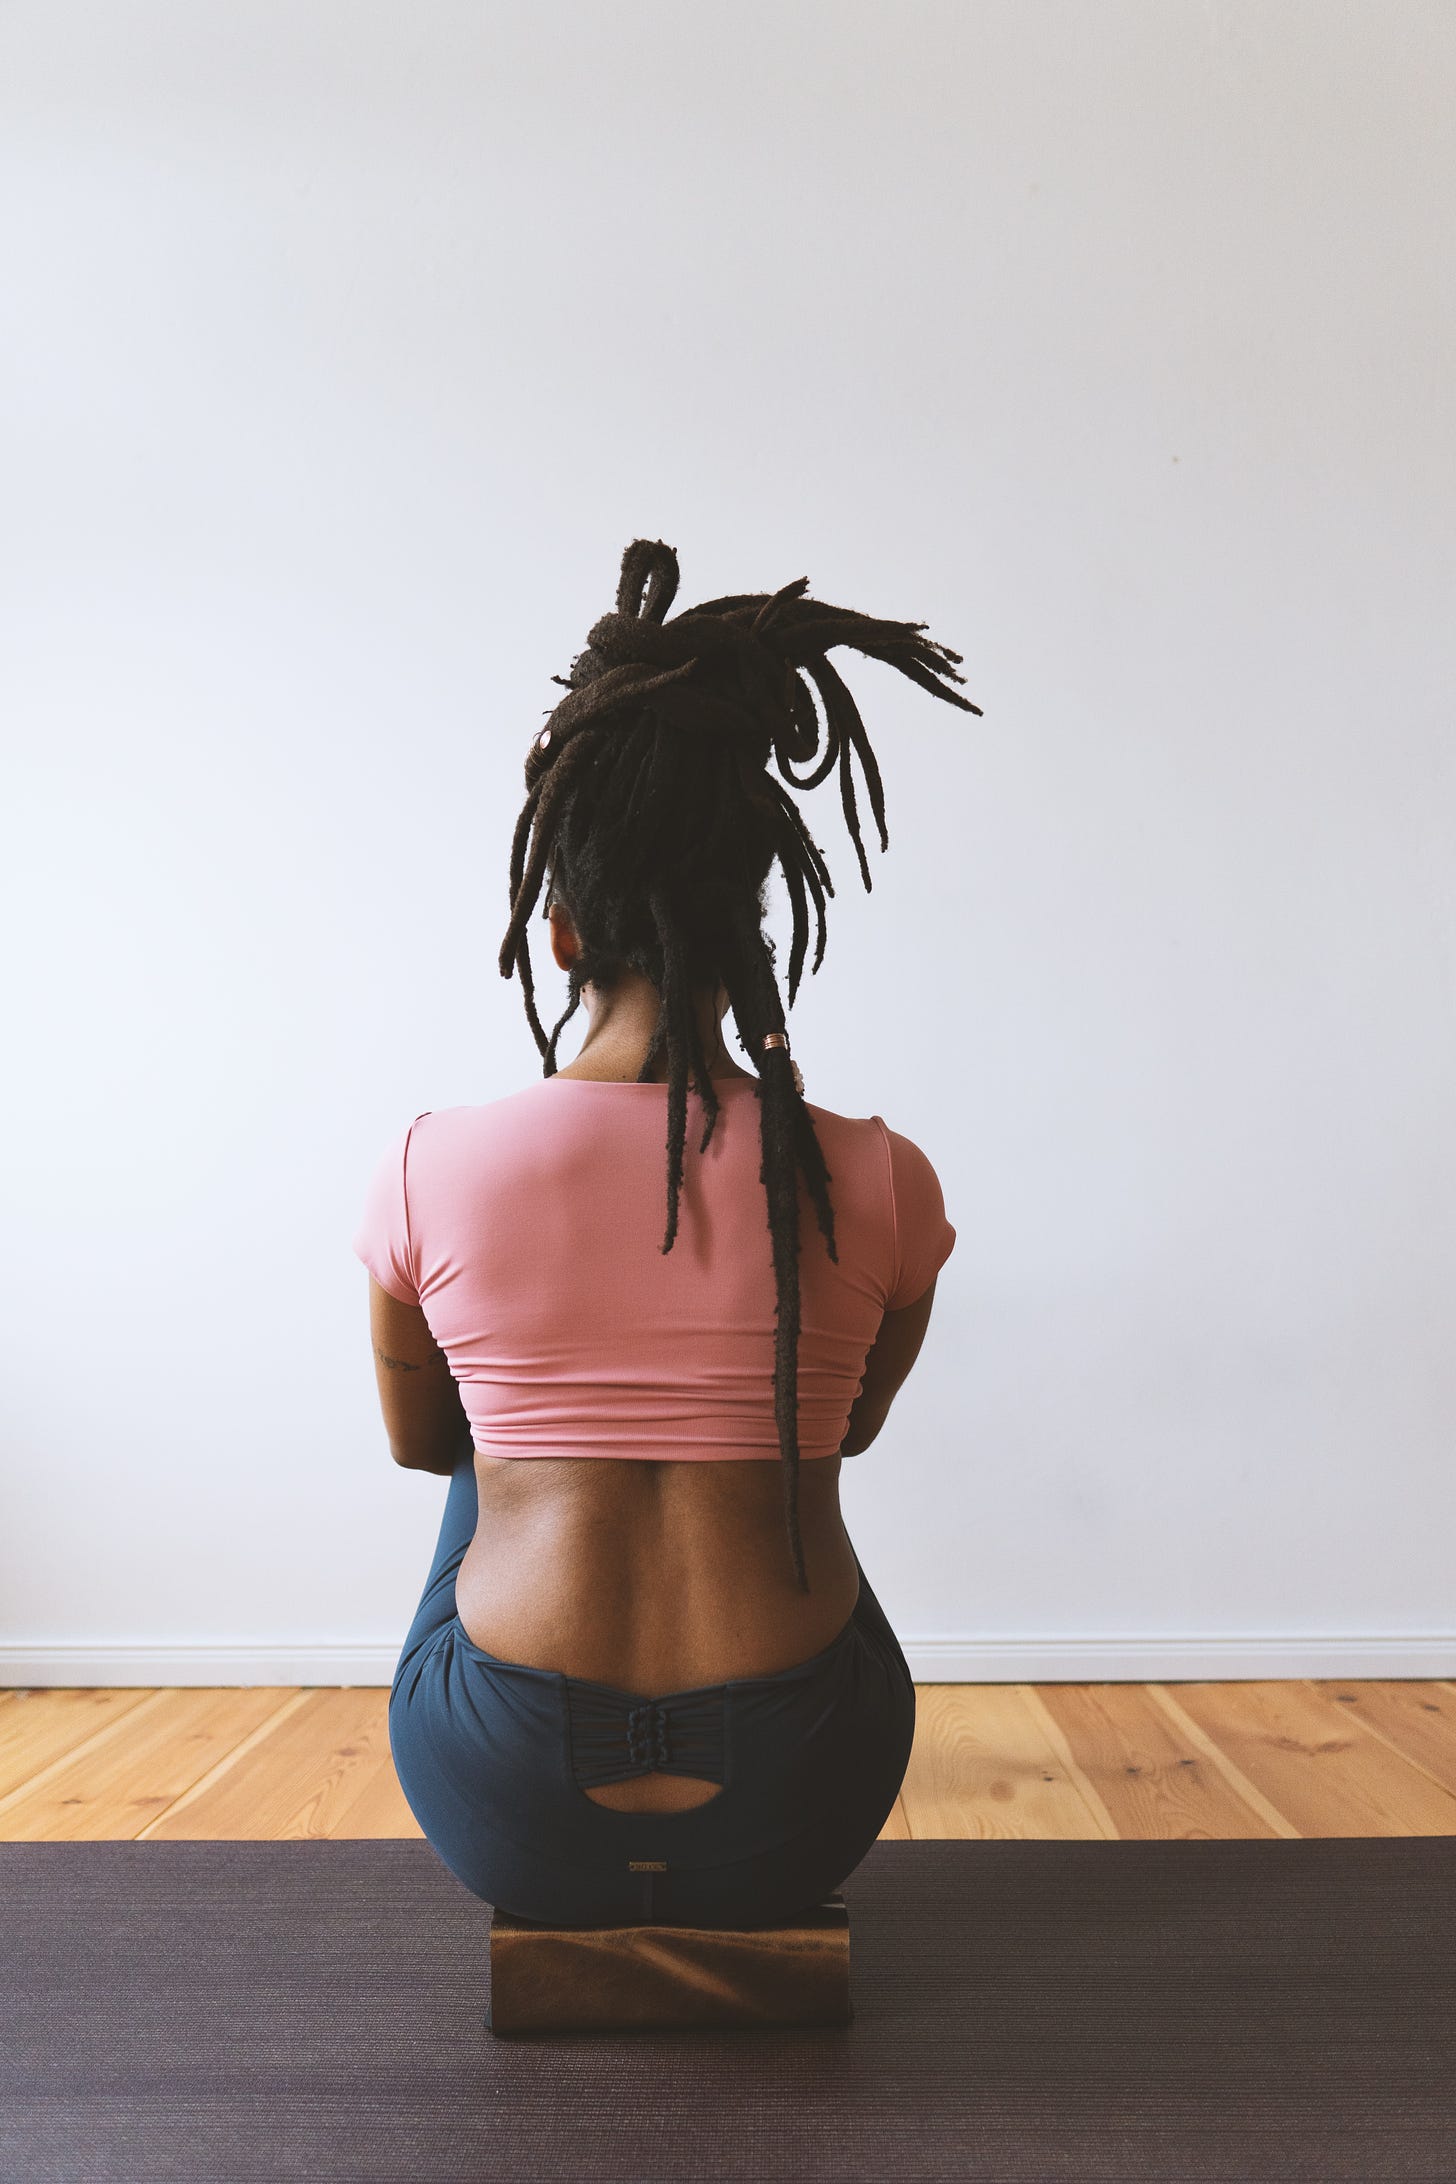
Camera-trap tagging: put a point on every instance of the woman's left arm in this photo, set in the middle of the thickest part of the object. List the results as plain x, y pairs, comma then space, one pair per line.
419, 1396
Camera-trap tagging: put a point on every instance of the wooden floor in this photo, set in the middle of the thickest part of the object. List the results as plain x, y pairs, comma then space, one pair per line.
1069, 1760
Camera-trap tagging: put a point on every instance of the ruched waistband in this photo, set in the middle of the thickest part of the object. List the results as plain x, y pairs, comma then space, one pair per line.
615, 1736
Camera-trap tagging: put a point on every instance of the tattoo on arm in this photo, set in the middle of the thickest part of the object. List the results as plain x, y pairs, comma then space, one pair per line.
439, 1364
396, 1364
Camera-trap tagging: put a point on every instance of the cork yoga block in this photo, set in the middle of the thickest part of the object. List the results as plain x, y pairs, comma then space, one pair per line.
654, 1978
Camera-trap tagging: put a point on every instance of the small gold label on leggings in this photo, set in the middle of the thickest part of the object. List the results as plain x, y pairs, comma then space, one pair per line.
646, 1865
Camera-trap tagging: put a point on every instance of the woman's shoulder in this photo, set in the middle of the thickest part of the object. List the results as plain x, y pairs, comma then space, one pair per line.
837, 1122
439, 1134
539, 1109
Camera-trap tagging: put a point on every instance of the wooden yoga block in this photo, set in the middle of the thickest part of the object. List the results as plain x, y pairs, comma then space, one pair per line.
656, 1978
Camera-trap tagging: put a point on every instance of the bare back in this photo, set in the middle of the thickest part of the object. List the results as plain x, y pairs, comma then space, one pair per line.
656, 1577
653, 1576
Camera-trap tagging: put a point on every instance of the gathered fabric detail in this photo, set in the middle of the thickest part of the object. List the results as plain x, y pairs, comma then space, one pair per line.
616, 1734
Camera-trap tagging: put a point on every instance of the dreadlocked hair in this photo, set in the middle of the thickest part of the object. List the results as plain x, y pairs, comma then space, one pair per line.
652, 815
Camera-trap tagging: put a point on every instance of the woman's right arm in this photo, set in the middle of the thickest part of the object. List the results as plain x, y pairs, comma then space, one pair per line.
887, 1367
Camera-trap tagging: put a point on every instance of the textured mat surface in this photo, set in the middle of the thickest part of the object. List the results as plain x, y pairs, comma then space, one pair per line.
216, 2013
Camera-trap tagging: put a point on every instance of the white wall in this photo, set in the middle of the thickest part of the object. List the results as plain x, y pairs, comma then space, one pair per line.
349, 346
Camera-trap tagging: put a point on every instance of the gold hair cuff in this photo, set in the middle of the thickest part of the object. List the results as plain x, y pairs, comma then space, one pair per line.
781, 1039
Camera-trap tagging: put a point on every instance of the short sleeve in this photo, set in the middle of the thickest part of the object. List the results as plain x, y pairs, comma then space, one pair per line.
923, 1237
383, 1239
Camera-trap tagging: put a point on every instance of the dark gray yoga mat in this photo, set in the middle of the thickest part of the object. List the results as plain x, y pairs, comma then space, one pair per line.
215, 2013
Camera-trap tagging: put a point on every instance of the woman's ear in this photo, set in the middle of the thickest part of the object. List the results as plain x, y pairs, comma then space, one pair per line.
565, 946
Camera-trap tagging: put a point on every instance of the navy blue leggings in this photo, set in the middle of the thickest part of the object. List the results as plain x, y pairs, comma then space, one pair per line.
495, 1759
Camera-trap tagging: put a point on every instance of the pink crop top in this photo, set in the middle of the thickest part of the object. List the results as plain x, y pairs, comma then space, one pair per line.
530, 1229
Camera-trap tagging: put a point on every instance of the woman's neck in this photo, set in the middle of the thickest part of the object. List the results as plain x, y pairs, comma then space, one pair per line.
622, 1024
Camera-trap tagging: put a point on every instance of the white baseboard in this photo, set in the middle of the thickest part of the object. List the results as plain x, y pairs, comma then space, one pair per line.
1180, 1657
966, 1657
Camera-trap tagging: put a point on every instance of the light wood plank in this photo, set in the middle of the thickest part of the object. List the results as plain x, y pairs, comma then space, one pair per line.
118, 1781
236, 1756
380, 1811
297, 1779
40, 1727
1418, 1720
1076, 1774
897, 1828
983, 1765
1316, 1762
1163, 1695
1154, 1783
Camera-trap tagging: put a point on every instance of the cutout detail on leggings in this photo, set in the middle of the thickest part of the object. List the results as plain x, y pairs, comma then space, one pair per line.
616, 1734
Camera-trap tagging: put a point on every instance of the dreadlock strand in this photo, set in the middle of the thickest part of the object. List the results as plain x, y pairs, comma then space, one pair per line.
574, 988
528, 995
647, 564
793, 872
519, 841
855, 729
778, 1099
656, 1046
703, 1078
817, 1176
805, 743
628, 762
672, 1003
553, 788
847, 738
794, 842
659, 802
